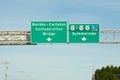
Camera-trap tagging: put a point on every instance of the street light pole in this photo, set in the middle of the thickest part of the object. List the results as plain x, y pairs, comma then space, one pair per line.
6, 72
6, 68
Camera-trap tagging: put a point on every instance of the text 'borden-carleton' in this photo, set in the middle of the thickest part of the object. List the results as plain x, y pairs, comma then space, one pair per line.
49, 24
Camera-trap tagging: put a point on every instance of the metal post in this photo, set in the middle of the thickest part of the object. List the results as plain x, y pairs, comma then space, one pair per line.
93, 77
6, 68
6, 72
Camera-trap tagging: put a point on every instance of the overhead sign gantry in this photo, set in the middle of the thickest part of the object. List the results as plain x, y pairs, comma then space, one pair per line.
60, 32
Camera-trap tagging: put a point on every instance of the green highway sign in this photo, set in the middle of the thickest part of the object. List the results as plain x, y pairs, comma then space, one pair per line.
83, 33
48, 32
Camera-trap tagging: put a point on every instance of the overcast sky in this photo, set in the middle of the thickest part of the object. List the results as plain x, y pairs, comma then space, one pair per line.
58, 61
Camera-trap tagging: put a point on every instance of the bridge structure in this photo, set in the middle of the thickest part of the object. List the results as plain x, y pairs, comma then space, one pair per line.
15, 38
110, 37
23, 37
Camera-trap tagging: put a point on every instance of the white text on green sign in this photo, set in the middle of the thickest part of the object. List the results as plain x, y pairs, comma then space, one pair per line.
49, 32
84, 33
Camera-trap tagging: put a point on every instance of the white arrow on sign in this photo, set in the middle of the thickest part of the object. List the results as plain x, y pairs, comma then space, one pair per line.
49, 39
84, 38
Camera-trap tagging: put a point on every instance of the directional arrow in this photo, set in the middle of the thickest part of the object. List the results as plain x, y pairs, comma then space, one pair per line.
49, 39
84, 38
